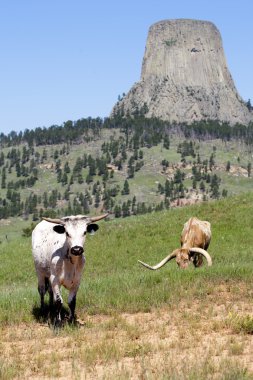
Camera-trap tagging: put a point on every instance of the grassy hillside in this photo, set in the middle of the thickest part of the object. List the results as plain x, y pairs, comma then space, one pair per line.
114, 281
104, 189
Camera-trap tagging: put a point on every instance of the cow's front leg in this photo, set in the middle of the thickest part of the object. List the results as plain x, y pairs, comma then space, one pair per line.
72, 303
197, 260
57, 300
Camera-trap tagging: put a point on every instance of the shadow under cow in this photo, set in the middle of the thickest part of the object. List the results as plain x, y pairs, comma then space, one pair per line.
48, 315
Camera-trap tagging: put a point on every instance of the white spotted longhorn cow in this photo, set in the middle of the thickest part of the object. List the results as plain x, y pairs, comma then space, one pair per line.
58, 252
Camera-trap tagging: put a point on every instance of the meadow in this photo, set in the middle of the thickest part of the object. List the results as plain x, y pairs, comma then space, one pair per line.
136, 323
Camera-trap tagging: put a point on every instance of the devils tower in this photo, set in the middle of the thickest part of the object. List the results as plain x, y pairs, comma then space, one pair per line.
184, 77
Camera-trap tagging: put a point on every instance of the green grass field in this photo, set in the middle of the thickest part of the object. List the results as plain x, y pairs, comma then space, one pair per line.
138, 323
113, 279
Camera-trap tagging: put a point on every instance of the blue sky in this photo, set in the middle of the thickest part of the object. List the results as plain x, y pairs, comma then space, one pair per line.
64, 60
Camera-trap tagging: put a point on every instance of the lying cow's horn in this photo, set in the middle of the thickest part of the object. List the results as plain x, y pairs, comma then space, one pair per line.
56, 221
97, 218
163, 262
204, 253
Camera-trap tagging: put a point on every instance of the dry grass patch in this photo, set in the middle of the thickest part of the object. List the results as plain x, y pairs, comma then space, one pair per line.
185, 341
240, 323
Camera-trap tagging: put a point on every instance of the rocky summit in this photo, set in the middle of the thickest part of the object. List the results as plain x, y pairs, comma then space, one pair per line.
185, 77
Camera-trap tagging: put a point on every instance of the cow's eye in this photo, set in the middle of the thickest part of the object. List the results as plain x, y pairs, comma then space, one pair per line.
84, 233
68, 235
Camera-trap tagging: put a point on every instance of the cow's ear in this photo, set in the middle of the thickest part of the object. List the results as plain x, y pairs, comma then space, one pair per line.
92, 228
59, 229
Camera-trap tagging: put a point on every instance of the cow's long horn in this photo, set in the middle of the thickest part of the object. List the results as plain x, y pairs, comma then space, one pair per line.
97, 218
204, 253
56, 221
163, 262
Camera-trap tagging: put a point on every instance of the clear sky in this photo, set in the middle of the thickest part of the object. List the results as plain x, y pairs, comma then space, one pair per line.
68, 59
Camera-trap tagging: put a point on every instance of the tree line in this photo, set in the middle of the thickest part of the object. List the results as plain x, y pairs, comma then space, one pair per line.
139, 131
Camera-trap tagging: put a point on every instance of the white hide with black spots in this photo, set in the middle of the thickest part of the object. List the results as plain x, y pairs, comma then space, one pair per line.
58, 252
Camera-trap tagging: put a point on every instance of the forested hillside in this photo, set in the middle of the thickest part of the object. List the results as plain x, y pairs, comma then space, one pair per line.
125, 166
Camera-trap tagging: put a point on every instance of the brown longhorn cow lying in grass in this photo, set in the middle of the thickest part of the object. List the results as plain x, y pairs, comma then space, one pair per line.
195, 239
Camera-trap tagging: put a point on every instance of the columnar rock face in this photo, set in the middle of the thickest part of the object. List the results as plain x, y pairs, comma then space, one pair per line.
185, 77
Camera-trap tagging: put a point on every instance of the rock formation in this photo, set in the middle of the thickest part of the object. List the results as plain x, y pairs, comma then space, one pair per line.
185, 77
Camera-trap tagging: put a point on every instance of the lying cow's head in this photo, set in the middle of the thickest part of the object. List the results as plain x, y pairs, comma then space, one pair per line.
75, 228
183, 258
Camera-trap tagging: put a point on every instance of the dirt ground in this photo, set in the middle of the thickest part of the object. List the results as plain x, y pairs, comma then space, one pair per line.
187, 341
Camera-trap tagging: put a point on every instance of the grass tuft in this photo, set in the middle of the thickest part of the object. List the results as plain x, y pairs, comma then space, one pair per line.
240, 323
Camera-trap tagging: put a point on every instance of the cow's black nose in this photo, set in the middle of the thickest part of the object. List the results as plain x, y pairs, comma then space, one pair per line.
77, 250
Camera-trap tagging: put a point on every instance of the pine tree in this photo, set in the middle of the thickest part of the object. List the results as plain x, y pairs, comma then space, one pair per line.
168, 188
59, 175
3, 183
249, 169
130, 172
56, 154
45, 200
125, 190
125, 210
35, 216
64, 179
71, 181
97, 200
1, 159
18, 169
215, 182
167, 203
211, 161
202, 186
166, 142
117, 211
44, 155
66, 168
249, 106
85, 205
80, 179
66, 194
